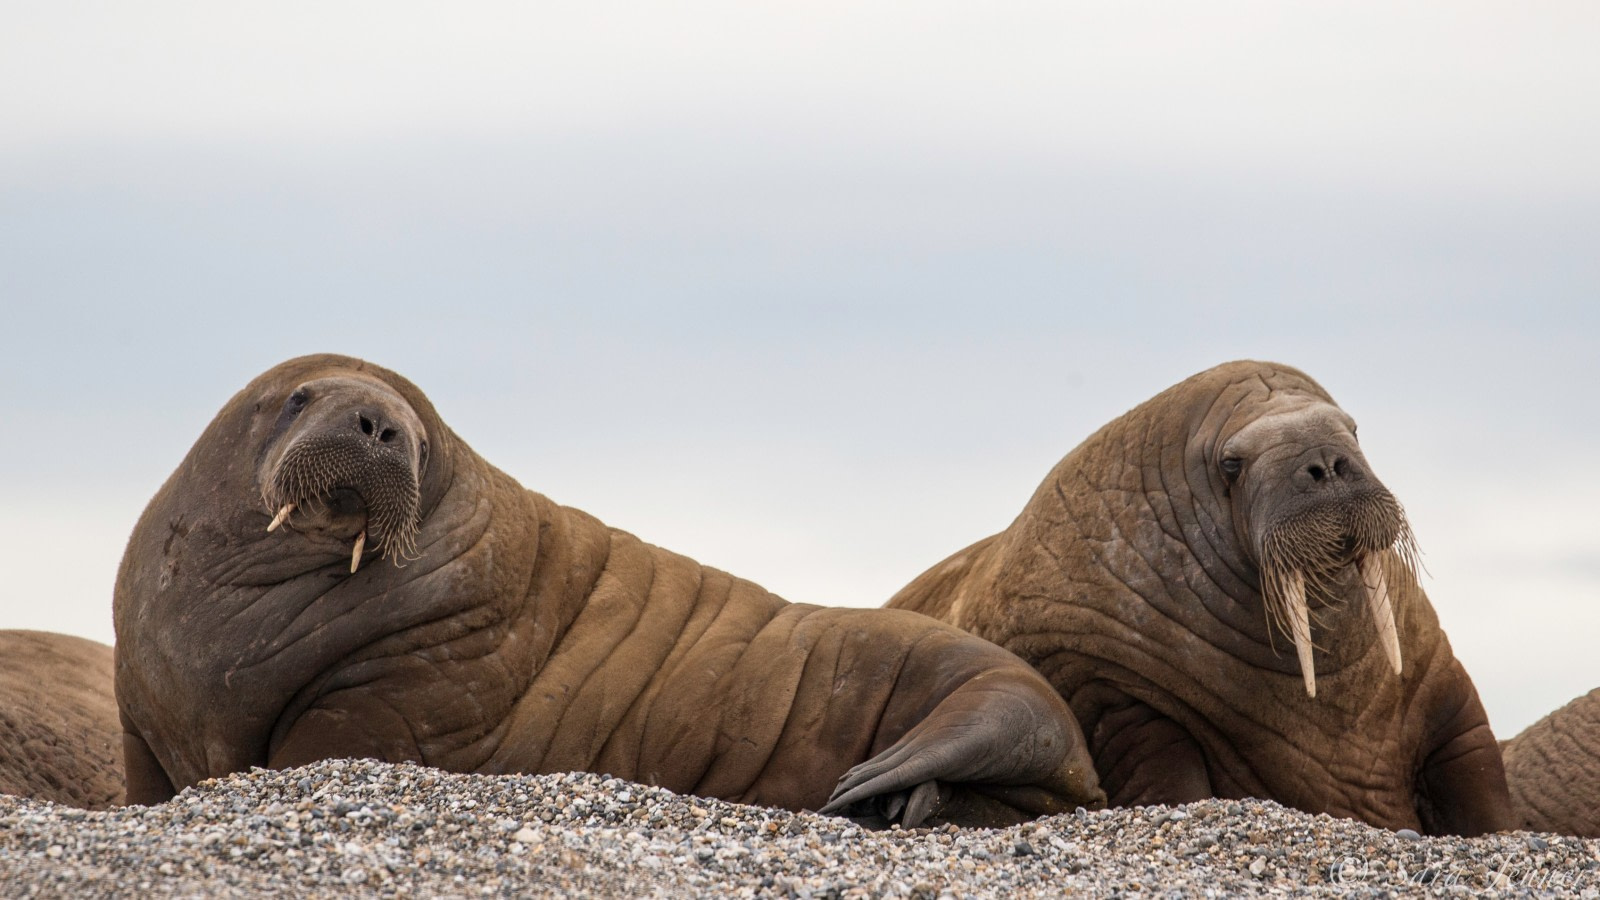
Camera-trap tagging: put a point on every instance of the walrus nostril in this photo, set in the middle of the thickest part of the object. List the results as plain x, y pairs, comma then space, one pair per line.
373, 427
1341, 467
1316, 472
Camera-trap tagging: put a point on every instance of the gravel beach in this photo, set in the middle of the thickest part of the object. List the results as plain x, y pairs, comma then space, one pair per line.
358, 828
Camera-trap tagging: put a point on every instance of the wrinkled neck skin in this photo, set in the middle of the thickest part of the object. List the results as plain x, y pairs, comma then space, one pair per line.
282, 613
1135, 575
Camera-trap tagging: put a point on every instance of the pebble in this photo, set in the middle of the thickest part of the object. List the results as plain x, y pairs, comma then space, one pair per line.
367, 829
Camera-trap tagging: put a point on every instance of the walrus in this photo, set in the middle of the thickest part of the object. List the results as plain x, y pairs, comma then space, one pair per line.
1226, 597
1553, 770
332, 572
60, 738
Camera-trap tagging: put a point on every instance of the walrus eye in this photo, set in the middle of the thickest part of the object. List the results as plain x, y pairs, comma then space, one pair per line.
297, 401
1231, 467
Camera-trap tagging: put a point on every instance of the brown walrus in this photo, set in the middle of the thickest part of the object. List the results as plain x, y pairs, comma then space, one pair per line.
59, 736
1553, 769
1161, 571
257, 625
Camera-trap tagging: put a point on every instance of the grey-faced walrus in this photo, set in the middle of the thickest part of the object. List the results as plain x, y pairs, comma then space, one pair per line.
257, 625
1553, 769
59, 736
1224, 594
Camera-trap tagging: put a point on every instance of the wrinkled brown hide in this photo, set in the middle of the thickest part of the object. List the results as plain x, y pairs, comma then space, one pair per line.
1553, 769
487, 629
59, 737
1133, 581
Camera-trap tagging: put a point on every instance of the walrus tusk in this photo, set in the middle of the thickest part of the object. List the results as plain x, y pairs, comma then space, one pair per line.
1294, 600
1371, 568
355, 555
282, 514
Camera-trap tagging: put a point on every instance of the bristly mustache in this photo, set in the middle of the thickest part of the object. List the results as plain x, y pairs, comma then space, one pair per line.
1301, 556
313, 468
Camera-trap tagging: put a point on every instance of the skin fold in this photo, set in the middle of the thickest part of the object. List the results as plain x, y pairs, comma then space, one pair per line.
59, 736
1147, 580
332, 572
1553, 769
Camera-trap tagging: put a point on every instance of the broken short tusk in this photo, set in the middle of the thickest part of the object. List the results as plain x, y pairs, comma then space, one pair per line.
282, 514
355, 555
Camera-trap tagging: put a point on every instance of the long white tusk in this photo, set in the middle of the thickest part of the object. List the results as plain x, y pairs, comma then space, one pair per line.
1294, 600
355, 555
282, 514
1381, 607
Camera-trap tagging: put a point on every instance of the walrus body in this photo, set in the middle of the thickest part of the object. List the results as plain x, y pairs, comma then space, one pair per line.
1553, 769
1222, 592
505, 633
59, 736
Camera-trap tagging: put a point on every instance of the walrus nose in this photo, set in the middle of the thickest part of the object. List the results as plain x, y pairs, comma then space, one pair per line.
1328, 466
372, 424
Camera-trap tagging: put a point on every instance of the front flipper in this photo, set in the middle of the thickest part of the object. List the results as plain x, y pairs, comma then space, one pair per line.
1462, 783
1001, 748
147, 782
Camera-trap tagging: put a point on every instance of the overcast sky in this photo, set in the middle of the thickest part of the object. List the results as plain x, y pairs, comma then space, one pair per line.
818, 294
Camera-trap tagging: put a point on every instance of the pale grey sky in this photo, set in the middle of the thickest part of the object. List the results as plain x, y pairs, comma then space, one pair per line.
818, 295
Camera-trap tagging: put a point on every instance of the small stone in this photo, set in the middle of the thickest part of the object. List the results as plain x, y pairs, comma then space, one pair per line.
1258, 867
1536, 843
525, 835
1406, 834
1177, 815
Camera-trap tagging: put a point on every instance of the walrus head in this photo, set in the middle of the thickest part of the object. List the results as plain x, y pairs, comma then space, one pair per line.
1313, 518
346, 459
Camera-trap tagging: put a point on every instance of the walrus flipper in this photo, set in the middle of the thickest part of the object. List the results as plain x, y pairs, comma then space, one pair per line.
997, 751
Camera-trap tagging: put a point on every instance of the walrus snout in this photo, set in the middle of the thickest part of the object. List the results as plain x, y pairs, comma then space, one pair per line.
348, 450
1324, 532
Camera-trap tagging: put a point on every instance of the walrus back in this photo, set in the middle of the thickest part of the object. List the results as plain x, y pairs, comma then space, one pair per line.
678, 674
1553, 770
936, 592
60, 739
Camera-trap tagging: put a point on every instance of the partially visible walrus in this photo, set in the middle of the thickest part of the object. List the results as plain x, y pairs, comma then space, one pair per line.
59, 736
1553, 769
499, 632
1165, 565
